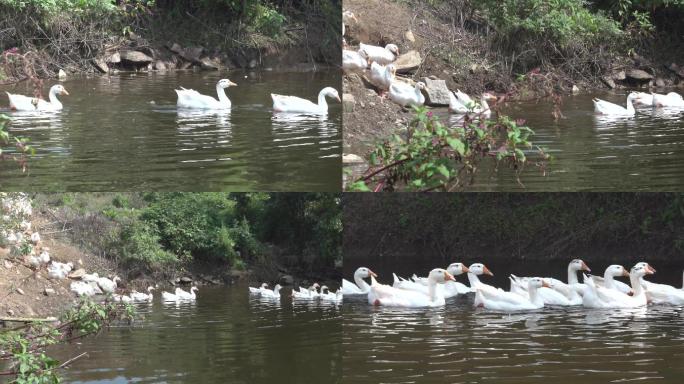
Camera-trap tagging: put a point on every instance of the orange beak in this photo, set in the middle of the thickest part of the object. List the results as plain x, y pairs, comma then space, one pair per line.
373, 273
338, 98
649, 268
545, 284
624, 272
448, 276
585, 267
488, 272
64, 92
464, 269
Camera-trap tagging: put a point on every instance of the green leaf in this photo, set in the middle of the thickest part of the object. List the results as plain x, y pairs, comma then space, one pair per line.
456, 144
443, 170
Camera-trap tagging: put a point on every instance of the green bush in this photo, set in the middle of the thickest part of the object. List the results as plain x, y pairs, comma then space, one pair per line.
140, 245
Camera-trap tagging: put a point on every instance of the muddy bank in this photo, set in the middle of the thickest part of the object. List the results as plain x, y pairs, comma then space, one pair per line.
450, 42
48, 43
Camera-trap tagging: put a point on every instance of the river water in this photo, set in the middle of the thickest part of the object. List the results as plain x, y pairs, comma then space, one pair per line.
641, 153
224, 337
123, 132
462, 344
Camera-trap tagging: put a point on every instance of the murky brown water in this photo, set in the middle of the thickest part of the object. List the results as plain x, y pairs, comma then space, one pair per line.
461, 344
642, 153
225, 337
124, 132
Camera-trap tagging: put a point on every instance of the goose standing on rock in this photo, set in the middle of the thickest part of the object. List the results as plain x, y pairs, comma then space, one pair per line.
381, 55
191, 99
294, 104
25, 103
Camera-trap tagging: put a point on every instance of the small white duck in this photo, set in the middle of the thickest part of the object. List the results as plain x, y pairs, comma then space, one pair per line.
359, 287
191, 99
671, 100
293, 104
404, 94
382, 76
509, 301
354, 61
258, 290
381, 55
272, 294
607, 108
25, 103
386, 295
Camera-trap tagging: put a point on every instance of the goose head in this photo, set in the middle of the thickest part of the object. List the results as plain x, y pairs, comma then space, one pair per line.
616, 270
392, 48
264, 285
391, 70
457, 269
277, 288
116, 279
440, 275
579, 265
314, 287
59, 89
480, 269
348, 16
640, 271
420, 85
324, 289
150, 289
645, 265
364, 273
537, 282
225, 83
194, 289
331, 92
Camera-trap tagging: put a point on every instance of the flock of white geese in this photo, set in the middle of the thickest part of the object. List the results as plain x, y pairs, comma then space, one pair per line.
377, 63
526, 293
189, 99
307, 294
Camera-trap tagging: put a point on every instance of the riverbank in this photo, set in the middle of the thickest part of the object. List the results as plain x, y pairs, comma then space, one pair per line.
165, 240
462, 45
43, 41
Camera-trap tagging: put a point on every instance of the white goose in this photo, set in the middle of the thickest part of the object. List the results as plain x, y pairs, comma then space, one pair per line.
326, 295
141, 296
460, 103
25, 103
448, 289
82, 288
404, 94
671, 100
293, 104
601, 297
59, 271
607, 292
361, 287
191, 99
382, 76
353, 61
509, 301
108, 286
272, 294
168, 296
257, 291
381, 294
122, 299
607, 108
643, 98
306, 294
660, 293
552, 294
183, 295
35, 238
381, 55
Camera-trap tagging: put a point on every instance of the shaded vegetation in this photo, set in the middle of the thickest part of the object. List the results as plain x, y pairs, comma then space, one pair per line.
160, 233
20, 148
435, 157
507, 226
24, 347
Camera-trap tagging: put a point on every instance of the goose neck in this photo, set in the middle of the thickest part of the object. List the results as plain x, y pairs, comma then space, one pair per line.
635, 281
321, 99
52, 96
572, 275
473, 280
223, 99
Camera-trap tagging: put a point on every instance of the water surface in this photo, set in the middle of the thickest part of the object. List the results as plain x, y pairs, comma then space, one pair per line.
461, 344
225, 337
123, 132
641, 153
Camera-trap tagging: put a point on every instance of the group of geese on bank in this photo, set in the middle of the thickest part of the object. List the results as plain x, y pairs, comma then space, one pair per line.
93, 284
311, 293
526, 293
671, 100
189, 99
